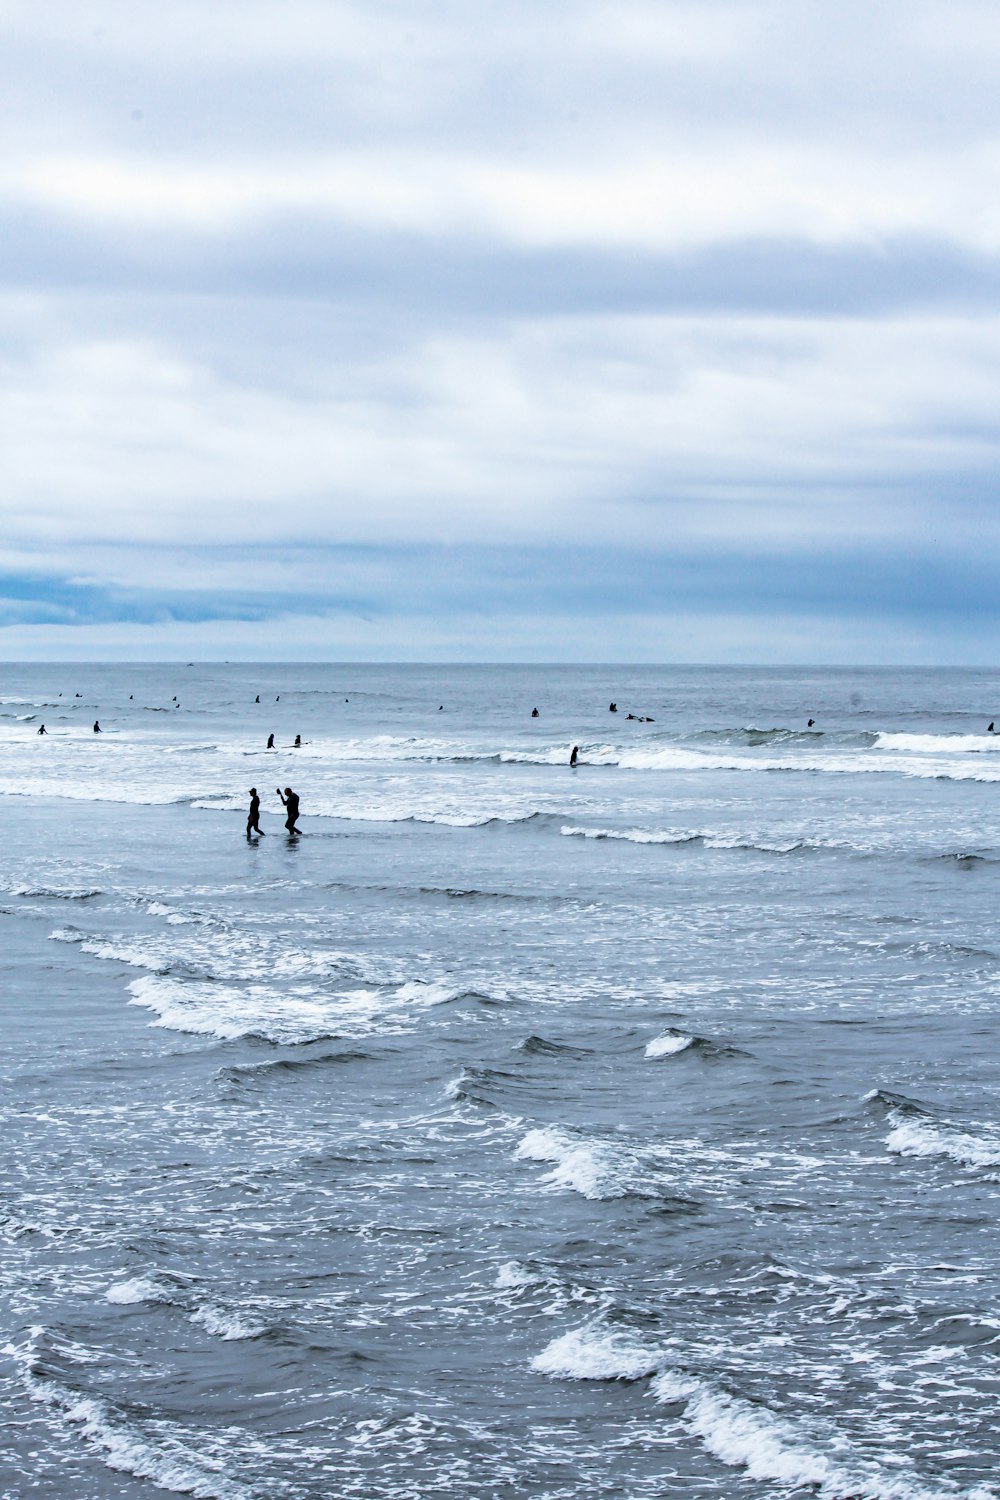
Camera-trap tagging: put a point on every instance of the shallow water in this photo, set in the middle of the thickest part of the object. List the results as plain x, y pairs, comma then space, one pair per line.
625, 1131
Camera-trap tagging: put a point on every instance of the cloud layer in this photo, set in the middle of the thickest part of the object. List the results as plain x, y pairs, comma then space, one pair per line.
633, 329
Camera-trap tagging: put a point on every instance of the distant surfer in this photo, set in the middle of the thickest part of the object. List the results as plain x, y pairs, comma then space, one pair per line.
290, 800
43, 730
573, 755
298, 742
253, 817
612, 708
990, 730
270, 742
257, 699
534, 713
810, 723
97, 727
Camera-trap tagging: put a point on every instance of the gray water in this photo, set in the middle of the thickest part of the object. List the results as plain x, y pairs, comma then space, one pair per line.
630, 1130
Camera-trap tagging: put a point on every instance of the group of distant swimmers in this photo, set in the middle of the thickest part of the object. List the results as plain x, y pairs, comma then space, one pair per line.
290, 801
639, 718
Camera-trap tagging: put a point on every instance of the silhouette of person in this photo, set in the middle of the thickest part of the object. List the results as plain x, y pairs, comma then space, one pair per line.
990, 730
290, 800
43, 730
97, 727
298, 742
270, 742
257, 699
253, 817
612, 708
573, 755
534, 713
810, 723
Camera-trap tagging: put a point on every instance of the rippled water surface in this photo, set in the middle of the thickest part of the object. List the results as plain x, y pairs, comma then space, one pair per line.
517, 1131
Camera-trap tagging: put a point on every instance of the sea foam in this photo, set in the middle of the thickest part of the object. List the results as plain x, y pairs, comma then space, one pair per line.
163, 1454
920, 1136
586, 1167
137, 1290
595, 1352
776, 1450
669, 1044
596, 1169
226, 1325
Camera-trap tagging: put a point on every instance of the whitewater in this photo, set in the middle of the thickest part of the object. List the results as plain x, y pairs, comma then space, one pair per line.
628, 1129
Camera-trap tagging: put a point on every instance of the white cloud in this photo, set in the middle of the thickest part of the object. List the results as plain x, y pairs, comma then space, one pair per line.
660, 429
664, 201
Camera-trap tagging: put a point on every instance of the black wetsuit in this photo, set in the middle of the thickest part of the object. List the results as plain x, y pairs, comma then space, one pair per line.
253, 819
292, 807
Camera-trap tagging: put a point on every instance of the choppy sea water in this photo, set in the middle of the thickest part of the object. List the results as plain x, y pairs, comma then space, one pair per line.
627, 1130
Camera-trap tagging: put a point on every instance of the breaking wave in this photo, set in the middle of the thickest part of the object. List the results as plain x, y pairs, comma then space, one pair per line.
155, 1450
768, 1448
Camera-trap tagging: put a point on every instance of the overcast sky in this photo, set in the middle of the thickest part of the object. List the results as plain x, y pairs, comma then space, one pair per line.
474, 330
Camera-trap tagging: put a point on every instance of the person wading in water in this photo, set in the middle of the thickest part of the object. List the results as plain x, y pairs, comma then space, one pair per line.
253, 818
291, 803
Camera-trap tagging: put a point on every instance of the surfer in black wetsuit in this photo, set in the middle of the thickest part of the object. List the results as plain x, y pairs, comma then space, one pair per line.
270, 742
253, 818
97, 727
298, 742
573, 755
43, 730
291, 803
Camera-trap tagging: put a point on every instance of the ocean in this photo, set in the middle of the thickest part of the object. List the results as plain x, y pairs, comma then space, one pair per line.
628, 1130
